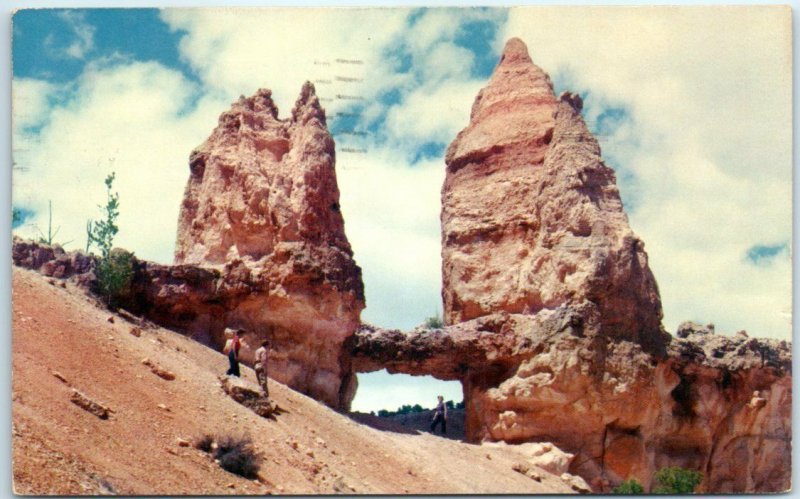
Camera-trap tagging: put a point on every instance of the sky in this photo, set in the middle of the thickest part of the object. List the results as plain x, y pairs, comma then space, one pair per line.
692, 107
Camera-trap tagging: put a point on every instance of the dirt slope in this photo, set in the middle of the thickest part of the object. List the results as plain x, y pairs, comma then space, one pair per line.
58, 448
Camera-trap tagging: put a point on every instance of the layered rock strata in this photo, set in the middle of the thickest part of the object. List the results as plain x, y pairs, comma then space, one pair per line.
555, 315
531, 216
717, 404
202, 301
262, 203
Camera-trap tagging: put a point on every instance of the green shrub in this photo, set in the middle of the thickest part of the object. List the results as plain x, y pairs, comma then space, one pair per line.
238, 455
433, 322
114, 276
676, 480
628, 487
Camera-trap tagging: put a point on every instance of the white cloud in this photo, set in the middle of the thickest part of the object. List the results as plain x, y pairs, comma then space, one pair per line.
709, 96
236, 51
83, 37
125, 118
31, 102
432, 113
708, 137
391, 213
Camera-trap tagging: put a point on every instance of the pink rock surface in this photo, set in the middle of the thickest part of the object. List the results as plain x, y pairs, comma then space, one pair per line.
531, 216
262, 199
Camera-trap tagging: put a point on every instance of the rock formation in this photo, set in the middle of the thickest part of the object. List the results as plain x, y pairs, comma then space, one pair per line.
555, 318
531, 216
262, 205
201, 302
716, 404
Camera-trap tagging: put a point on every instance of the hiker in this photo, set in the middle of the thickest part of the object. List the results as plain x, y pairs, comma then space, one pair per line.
232, 346
262, 355
440, 416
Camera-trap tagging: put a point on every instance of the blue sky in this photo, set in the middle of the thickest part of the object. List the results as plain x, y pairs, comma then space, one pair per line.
702, 152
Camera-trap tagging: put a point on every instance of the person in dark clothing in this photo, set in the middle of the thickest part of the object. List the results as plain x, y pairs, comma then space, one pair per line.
440, 416
232, 346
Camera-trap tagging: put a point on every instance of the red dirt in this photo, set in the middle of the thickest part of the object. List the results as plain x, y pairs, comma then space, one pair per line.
58, 448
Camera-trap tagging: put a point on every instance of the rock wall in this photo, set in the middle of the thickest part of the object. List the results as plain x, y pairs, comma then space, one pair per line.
531, 216
201, 302
262, 205
716, 404
555, 317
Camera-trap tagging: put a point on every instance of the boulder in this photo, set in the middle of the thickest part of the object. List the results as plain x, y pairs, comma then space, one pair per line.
249, 395
89, 405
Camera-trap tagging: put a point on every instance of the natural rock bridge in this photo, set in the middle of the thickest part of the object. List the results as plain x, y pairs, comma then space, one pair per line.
554, 315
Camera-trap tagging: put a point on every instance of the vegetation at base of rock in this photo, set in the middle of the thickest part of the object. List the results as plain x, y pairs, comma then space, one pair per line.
628, 487
433, 322
204, 443
115, 269
235, 454
114, 276
676, 480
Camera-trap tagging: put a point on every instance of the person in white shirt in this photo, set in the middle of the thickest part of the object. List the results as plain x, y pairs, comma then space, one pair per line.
262, 355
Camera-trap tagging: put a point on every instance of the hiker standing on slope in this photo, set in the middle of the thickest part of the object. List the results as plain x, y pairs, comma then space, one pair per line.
232, 346
440, 416
262, 355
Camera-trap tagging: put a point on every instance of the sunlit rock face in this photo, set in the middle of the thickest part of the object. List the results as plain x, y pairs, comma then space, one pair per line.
555, 317
713, 403
531, 216
262, 201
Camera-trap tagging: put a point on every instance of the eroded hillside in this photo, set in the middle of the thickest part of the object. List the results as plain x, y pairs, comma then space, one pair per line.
58, 448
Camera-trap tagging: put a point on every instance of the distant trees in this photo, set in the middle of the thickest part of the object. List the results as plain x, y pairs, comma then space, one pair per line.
409, 409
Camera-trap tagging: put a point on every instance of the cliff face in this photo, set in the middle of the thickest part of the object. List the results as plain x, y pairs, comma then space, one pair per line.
531, 216
555, 317
262, 202
713, 403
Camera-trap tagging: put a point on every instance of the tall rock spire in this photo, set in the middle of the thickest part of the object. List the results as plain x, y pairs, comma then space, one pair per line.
532, 218
262, 201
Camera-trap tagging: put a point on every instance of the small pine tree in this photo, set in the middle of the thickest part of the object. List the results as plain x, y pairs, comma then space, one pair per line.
115, 268
676, 480
628, 487
101, 233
